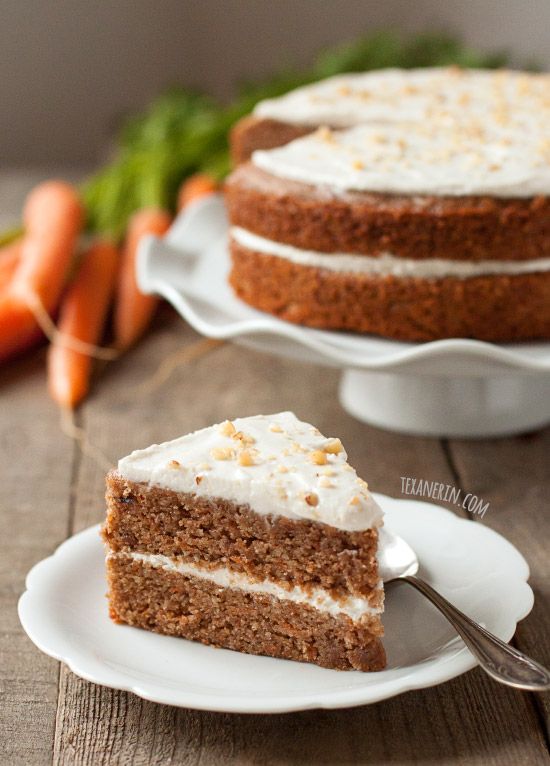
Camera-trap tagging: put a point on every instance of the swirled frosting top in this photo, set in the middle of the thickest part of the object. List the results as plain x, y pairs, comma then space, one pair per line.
426, 131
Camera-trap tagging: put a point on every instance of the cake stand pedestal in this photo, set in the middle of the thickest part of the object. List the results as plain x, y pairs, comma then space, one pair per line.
455, 388
434, 405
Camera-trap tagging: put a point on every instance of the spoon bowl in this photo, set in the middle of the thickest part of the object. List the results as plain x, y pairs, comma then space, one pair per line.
396, 558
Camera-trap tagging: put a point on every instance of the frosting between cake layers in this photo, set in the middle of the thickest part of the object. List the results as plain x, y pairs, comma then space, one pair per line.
275, 464
386, 264
429, 131
318, 598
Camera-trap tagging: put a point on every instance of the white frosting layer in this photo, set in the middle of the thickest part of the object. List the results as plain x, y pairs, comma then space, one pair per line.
274, 463
442, 131
317, 599
386, 264
389, 96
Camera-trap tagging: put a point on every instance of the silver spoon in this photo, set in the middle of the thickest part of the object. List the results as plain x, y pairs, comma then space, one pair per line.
398, 563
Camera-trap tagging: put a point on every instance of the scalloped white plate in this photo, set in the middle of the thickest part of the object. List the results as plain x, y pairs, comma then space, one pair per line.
64, 611
455, 387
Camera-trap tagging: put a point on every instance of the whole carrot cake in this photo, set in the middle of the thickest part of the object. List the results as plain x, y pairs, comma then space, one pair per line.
254, 535
414, 205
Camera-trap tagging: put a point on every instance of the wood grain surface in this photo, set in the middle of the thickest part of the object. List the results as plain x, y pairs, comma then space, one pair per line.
52, 489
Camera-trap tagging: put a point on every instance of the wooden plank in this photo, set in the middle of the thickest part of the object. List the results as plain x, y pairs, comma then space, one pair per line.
513, 475
36, 467
465, 721
36, 464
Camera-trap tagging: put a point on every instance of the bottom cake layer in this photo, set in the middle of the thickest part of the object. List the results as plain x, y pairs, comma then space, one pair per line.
164, 601
486, 307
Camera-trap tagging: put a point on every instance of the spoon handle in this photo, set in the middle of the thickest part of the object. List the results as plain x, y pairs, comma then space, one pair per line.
501, 661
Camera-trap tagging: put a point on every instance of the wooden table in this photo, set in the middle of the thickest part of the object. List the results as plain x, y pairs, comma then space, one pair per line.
51, 489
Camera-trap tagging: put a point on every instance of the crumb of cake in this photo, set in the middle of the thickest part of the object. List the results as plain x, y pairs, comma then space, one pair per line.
311, 499
275, 428
328, 471
222, 453
245, 458
282, 469
227, 428
318, 457
324, 481
173, 464
354, 500
333, 447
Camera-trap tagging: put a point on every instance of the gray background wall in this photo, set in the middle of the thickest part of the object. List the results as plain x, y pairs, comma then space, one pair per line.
71, 69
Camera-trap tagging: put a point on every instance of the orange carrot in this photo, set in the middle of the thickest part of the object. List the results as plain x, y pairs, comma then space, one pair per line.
134, 310
10, 256
53, 217
18, 328
82, 319
195, 187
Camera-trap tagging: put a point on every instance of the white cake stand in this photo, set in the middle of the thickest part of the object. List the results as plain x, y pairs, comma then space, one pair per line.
459, 388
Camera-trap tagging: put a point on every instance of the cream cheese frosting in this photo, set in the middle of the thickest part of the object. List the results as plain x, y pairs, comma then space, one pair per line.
276, 464
386, 264
454, 160
389, 96
317, 598
432, 131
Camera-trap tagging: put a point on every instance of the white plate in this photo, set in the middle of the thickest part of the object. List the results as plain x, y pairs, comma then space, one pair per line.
454, 387
64, 611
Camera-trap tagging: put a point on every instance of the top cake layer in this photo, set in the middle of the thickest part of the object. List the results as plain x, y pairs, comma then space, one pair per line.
274, 463
429, 131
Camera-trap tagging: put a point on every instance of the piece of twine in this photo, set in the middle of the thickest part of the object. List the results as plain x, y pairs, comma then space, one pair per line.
47, 325
165, 369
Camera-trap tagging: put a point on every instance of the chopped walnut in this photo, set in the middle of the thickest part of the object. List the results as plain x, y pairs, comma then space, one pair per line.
243, 438
222, 453
245, 458
333, 446
325, 134
324, 481
311, 499
354, 500
198, 479
318, 457
276, 428
227, 428
174, 464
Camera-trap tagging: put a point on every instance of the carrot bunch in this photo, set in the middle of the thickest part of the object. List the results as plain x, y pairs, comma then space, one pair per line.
41, 276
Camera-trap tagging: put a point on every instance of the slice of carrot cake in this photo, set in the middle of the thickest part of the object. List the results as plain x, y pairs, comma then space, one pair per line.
254, 535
